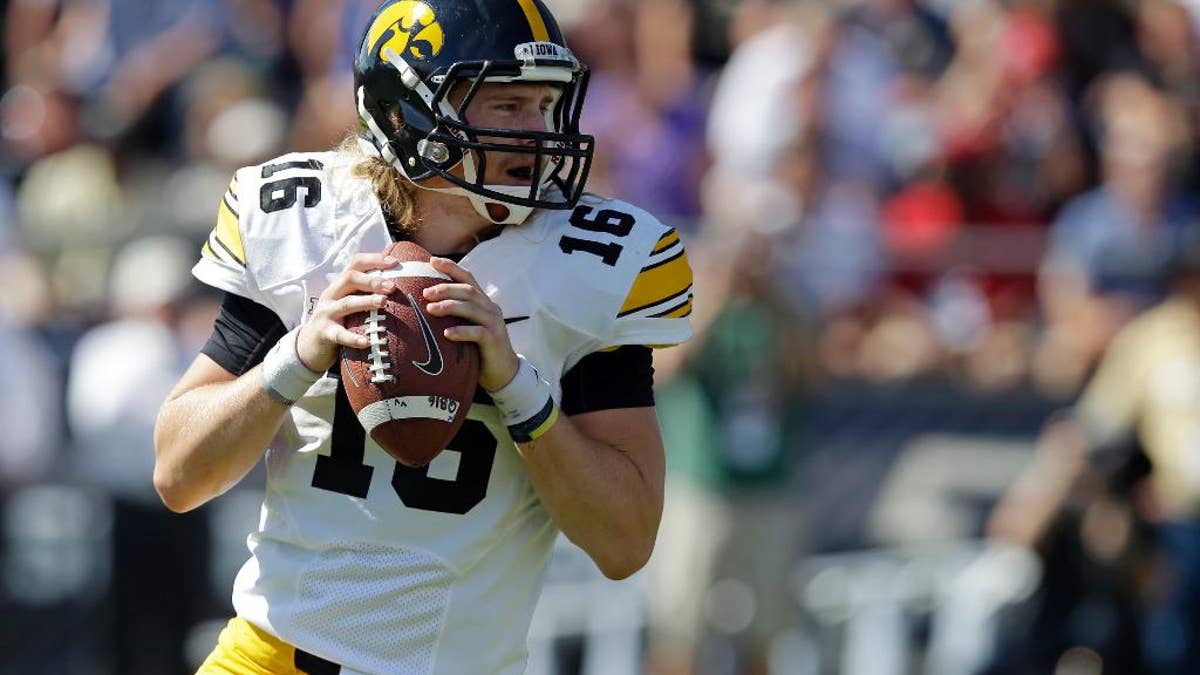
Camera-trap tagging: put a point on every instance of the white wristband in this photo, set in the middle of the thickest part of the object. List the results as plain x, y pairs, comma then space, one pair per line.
526, 403
284, 375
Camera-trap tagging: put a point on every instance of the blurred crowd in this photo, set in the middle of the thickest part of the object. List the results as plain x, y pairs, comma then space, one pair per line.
886, 202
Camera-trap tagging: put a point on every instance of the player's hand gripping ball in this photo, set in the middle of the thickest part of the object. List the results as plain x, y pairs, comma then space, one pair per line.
411, 387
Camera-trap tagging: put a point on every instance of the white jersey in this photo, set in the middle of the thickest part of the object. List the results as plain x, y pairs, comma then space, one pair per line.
387, 569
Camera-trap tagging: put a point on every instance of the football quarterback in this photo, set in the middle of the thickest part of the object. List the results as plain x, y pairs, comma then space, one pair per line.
469, 146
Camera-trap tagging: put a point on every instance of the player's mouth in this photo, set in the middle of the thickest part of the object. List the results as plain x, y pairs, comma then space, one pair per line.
521, 174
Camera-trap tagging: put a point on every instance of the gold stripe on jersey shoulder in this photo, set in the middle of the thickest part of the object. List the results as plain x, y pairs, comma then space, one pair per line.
665, 242
670, 302
228, 233
220, 251
659, 282
677, 312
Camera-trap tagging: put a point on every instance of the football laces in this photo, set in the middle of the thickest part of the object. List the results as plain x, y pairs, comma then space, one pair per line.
380, 366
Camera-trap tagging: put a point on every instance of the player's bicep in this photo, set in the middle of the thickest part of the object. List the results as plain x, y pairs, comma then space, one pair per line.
610, 399
622, 427
631, 431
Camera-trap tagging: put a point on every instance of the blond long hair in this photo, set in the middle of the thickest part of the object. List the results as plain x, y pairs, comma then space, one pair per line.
396, 194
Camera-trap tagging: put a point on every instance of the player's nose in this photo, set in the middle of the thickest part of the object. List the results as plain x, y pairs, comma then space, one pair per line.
532, 119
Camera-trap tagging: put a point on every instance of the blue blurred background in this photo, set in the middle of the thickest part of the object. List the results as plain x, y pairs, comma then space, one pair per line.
916, 227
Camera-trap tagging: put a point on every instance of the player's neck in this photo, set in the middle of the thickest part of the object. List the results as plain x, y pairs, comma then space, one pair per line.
449, 224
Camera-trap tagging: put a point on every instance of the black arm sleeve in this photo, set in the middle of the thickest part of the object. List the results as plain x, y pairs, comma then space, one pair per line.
622, 378
242, 334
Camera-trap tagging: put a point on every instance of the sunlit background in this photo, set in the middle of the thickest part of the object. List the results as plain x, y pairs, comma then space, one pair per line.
916, 228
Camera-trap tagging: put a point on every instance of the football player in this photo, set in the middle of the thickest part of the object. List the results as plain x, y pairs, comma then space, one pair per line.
470, 147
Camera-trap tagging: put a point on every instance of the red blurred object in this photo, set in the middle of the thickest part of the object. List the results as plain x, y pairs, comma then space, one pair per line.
1029, 48
921, 220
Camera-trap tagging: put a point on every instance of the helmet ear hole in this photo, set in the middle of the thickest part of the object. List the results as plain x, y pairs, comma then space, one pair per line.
394, 113
395, 116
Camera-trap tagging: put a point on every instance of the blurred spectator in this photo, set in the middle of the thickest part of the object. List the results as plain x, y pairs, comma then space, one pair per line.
1098, 36
881, 52
117, 56
1170, 46
1145, 394
759, 111
647, 104
756, 109
732, 412
830, 259
1169, 38
1003, 122
827, 259
323, 36
122, 369
71, 198
1108, 248
33, 122
8, 219
30, 398
36, 116
255, 30
120, 372
145, 52
72, 211
227, 117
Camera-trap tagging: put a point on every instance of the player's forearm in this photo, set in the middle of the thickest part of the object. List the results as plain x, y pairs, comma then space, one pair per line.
598, 496
207, 439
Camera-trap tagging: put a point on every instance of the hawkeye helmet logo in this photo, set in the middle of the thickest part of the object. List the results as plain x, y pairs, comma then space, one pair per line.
409, 28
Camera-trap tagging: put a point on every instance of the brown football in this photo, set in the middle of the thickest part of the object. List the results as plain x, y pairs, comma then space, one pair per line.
412, 387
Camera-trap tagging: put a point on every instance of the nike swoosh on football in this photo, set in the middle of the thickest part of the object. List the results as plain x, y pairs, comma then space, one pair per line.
433, 364
514, 319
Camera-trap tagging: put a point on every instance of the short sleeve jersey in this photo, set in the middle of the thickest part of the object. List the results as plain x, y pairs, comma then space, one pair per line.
1148, 386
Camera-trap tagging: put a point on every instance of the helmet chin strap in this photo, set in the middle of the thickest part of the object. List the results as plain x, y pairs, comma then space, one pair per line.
513, 214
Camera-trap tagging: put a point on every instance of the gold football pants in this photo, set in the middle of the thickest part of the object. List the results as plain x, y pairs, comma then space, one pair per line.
246, 649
